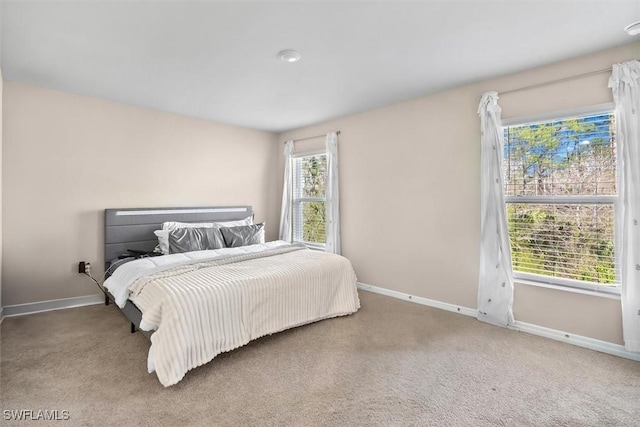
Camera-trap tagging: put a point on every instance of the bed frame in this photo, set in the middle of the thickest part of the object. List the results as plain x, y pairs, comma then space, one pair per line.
132, 228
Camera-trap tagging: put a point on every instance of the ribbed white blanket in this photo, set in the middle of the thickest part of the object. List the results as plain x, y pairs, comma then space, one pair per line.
203, 309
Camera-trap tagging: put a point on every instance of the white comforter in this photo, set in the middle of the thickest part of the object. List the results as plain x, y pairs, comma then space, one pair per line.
208, 304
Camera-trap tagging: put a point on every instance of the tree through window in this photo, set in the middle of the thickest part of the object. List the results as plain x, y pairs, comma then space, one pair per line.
561, 189
309, 199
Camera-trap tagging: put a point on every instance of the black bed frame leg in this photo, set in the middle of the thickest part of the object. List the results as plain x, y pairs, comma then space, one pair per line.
133, 328
106, 299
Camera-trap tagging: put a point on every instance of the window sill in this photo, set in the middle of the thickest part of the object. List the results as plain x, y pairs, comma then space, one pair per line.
313, 246
567, 289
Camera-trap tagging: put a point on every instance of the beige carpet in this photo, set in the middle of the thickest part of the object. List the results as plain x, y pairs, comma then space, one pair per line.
392, 363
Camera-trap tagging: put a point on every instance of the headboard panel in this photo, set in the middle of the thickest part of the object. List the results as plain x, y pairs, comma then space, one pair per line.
133, 228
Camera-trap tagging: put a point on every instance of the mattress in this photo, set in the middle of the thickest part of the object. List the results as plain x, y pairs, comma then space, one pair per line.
201, 304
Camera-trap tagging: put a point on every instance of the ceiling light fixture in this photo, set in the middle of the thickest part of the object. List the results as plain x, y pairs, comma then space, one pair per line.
633, 29
289, 55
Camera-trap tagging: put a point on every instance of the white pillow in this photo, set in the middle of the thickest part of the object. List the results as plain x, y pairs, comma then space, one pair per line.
167, 227
163, 240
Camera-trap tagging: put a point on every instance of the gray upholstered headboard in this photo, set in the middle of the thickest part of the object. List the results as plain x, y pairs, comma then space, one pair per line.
133, 228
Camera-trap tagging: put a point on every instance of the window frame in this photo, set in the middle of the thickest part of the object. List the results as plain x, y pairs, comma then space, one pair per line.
296, 202
614, 200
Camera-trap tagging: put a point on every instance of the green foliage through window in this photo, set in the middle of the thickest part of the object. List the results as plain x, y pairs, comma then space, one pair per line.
569, 241
313, 222
310, 183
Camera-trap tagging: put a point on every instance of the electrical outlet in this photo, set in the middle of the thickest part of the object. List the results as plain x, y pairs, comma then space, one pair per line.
84, 268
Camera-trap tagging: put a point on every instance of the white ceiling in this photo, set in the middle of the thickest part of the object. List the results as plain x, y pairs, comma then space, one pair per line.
217, 60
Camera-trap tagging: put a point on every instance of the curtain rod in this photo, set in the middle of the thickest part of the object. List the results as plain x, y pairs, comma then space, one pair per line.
556, 81
311, 137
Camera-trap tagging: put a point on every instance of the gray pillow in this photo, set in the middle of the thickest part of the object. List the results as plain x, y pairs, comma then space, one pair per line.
243, 235
194, 239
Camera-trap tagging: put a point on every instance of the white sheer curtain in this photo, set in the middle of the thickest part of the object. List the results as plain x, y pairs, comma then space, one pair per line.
495, 287
333, 200
287, 194
625, 84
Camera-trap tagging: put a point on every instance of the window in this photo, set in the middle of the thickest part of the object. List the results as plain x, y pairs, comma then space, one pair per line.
309, 199
561, 193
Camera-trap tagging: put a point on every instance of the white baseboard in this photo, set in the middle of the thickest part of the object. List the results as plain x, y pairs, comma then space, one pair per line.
566, 337
56, 304
419, 300
577, 340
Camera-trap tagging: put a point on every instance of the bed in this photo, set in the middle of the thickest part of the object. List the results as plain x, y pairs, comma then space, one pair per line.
195, 305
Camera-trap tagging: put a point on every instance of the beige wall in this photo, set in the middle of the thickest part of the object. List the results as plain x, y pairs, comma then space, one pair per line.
67, 158
1, 114
410, 193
